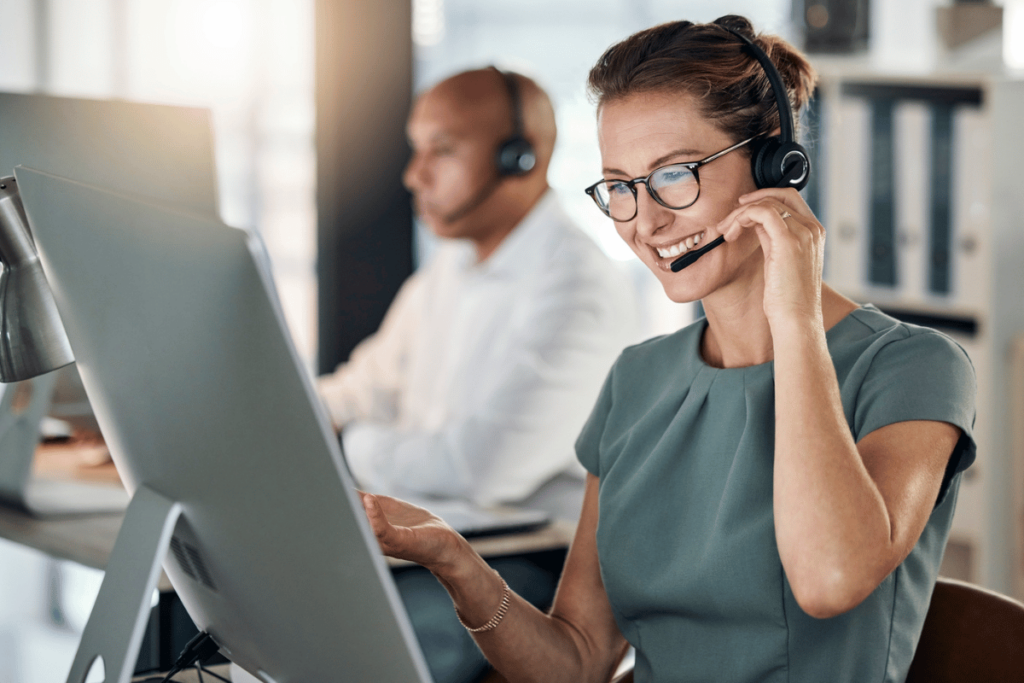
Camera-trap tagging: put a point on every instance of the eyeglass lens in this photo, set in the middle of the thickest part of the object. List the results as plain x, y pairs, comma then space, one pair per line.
675, 186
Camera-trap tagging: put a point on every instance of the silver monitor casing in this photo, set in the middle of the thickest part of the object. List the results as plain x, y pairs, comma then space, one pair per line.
216, 429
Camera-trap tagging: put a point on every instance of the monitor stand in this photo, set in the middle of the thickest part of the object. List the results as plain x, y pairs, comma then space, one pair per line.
118, 620
22, 409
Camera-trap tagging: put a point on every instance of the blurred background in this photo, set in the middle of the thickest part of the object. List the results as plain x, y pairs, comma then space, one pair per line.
309, 100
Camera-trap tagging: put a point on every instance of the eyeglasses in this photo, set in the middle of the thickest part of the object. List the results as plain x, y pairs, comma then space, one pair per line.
675, 186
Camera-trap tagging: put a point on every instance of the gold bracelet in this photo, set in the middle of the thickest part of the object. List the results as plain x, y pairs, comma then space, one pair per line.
506, 602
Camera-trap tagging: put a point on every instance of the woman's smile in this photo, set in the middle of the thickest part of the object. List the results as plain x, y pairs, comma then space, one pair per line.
671, 250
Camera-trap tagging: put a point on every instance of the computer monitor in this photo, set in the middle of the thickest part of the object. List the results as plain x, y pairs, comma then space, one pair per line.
161, 152
216, 429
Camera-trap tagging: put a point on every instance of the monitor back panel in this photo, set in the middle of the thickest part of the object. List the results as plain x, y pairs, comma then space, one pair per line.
151, 150
201, 396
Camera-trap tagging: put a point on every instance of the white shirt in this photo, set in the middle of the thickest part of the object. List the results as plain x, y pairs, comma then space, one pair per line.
482, 374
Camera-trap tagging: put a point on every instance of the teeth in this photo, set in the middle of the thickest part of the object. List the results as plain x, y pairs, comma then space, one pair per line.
680, 247
674, 250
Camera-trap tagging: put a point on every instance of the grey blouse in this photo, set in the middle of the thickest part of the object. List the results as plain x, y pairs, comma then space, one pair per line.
686, 538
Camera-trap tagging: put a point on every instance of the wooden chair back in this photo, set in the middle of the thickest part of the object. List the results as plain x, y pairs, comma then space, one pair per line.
970, 634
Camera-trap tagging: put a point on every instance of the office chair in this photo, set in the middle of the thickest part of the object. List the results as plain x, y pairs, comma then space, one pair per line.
970, 634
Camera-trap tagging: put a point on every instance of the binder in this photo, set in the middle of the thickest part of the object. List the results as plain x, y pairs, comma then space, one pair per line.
847, 176
912, 150
972, 208
813, 123
940, 219
882, 207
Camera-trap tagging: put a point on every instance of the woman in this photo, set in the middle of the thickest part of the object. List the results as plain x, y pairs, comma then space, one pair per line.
770, 488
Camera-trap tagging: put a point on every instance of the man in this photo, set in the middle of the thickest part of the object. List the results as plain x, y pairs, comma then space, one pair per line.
489, 359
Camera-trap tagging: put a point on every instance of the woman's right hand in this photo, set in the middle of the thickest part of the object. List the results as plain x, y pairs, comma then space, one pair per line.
409, 532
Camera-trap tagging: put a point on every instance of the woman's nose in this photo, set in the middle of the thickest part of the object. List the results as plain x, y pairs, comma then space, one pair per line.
650, 215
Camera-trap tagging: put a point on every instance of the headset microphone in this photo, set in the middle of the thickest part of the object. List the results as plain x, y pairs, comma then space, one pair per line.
689, 257
776, 161
476, 200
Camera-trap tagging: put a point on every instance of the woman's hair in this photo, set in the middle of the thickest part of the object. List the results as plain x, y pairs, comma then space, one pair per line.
712, 65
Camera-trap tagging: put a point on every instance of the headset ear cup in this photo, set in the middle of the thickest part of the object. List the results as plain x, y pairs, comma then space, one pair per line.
792, 163
771, 159
516, 157
761, 155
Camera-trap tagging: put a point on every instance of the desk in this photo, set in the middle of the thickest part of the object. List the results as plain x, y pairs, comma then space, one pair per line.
89, 540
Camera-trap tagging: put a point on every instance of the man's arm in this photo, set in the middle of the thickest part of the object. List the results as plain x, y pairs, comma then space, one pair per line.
522, 431
366, 387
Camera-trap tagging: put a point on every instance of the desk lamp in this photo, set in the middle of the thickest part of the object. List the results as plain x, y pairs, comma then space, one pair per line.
32, 337
33, 343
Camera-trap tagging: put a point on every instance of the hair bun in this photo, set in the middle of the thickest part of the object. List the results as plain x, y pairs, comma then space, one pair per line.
736, 23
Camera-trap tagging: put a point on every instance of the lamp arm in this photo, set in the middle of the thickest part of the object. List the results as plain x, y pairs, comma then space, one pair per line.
16, 244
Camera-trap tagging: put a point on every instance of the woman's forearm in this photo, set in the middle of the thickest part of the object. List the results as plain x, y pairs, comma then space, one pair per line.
831, 521
526, 645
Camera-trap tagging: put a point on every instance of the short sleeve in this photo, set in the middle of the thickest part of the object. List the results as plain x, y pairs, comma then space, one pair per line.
922, 376
588, 444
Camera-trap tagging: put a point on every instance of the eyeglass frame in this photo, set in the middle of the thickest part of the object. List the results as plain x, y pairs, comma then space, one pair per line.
691, 166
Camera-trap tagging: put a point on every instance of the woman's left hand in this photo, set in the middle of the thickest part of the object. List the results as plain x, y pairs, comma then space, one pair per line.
793, 242
409, 532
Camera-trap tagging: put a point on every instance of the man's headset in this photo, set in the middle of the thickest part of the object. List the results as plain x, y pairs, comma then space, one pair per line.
515, 155
776, 161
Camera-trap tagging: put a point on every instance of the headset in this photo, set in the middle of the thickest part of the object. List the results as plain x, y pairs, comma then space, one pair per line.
514, 157
515, 154
777, 161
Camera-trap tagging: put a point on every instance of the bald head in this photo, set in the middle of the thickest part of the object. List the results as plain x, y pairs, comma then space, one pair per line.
484, 97
455, 130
